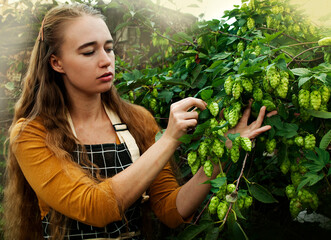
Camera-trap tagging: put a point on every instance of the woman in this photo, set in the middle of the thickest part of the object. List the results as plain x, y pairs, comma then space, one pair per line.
80, 158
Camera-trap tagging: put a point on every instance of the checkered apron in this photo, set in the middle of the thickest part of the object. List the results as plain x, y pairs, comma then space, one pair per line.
111, 159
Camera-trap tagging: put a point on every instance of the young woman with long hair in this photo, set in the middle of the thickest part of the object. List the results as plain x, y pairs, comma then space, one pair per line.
80, 158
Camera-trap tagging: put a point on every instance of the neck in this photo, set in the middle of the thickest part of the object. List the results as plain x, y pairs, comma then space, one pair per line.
86, 109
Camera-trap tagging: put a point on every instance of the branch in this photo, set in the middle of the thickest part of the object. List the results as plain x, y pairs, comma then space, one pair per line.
309, 49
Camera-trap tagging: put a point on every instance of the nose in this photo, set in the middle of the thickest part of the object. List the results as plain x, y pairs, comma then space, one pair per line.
106, 59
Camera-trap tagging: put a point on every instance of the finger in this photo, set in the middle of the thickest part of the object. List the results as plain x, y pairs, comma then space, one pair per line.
190, 115
246, 113
272, 113
260, 118
258, 131
188, 103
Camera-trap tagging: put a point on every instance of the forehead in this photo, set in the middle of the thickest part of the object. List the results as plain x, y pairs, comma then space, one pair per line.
85, 29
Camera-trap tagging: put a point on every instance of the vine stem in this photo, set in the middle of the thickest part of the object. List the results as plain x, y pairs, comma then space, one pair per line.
307, 50
237, 185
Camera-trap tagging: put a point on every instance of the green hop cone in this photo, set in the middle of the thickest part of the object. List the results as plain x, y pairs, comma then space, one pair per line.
208, 168
218, 148
299, 141
155, 92
213, 108
257, 94
304, 196
195, 166
228, 84
282, 88
247, 84
290, 191
233, 117
246, 144
203, 149
325, 94
240, 202
295, 207
248, 201
153, 104
315, 100
325, 41
270, 145
235, 153
192, 157
230, 188
214, 202
237, 90
296, 178
222, 209
269, 105
240, 47
274, 80
309, 142
250, 23
285, 166
226, 114
221, 191
304, 98
224, 129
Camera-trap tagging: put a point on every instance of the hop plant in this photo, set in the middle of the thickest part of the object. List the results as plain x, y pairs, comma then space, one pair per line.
236, 90
266, 85
208, 168
230, 188
325, 94
250, 23
295, 207
224, 129
222, 208
246, 144
214, 202
233, 117
273, 77
282, 88
299, 141
315, 100
248, 201
270, 145
304, 98
213, 108
290, 191
247, 84
192, 157
240, 47
235, 153
325, 41
309, 142
218, 148
285, 166
257, 94
269, 105
228, 84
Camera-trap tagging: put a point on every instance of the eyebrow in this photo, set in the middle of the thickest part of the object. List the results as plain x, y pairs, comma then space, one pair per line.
92, 44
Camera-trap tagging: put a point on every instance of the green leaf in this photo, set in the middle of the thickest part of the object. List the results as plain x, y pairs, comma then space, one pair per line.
212, 233
194, 230
261, 193
317, 161
325, 141
159, 135
185, 37
221, 56
319, 114
232, 137
186, 138
10, 86
204, 116
217, 182
166, 95
191, 51
303, 80
122, 25
310, 179
238, 232
302, 72
288, 130
206, 94
213, 66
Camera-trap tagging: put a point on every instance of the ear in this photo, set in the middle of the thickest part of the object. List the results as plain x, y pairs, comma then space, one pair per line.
56, 64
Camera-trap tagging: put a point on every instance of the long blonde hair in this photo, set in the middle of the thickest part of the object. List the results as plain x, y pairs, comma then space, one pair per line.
44, 96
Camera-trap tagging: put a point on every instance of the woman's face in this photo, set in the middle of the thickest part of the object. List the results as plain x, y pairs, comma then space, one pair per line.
86, 59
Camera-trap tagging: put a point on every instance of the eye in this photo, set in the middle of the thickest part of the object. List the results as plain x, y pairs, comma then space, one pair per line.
88, 53
110, 49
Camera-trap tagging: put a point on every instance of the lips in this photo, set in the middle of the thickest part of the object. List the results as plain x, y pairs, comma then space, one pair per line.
106, 76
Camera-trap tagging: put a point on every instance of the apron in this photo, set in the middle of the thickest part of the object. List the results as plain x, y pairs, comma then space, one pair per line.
111, 158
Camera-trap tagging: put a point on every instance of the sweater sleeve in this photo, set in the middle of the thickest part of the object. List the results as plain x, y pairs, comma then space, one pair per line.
60, 183
163, 193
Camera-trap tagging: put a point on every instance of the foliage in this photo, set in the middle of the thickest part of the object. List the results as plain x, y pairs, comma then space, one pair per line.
269, 53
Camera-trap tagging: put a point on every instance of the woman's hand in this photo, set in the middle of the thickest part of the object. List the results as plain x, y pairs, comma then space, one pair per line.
254, 129
181, 119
